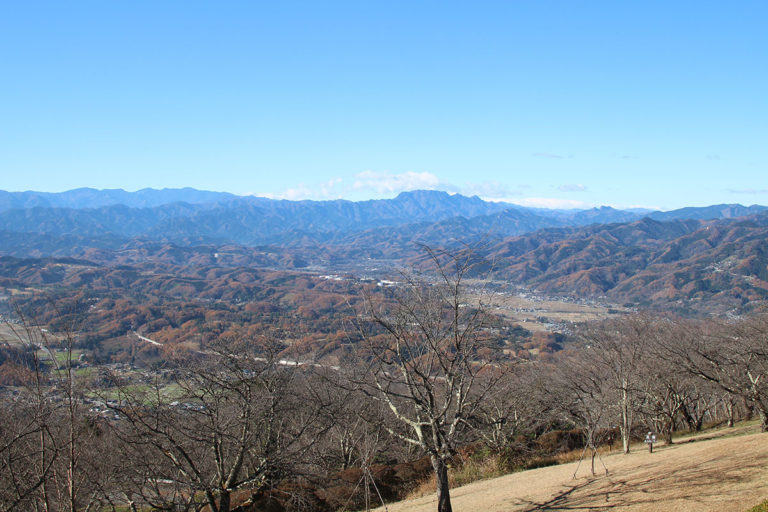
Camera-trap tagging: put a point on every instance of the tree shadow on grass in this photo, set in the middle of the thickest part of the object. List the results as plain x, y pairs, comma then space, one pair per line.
696, 483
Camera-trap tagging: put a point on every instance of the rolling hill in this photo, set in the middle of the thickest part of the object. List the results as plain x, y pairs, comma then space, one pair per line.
692, 259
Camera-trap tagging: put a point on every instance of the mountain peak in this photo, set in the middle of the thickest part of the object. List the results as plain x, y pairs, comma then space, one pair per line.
422, 194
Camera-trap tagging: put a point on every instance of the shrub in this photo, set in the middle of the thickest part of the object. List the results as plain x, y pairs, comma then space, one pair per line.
763, 507
559, 441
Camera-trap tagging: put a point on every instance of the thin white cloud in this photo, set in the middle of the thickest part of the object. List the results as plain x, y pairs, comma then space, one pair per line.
548, 202
748, 190
489, 189
572, 187
619, 206
316, 191
385, 183
392, 183
712, 157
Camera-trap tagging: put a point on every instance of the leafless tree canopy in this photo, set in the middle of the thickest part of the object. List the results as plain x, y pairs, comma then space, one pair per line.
232, 423
51, 452
425, 362
732, 355
235, 420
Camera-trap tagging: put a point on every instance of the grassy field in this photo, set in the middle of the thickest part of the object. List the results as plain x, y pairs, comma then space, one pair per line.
59, 355
12, 334
168, 393
719, 471
530, 312
537, 313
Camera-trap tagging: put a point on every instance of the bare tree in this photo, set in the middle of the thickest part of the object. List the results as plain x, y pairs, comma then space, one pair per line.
49, 439
28, 444
580, 390
350, 421
514, 406
665, 392
424, 360
50, 444
233, 419
28, 452
732, 355
616, 348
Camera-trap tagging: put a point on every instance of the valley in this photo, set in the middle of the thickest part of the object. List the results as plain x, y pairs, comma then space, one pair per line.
303, 323
328, 256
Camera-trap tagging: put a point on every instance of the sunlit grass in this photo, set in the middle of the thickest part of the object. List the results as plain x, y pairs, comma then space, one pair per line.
493, 466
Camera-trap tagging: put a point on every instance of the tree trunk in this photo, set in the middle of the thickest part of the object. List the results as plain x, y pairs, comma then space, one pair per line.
43, 466
687, 418
625, 423
668, 433
749, 408
441, 478
224, 501
211, 500
763, 413
71, 468
729, 410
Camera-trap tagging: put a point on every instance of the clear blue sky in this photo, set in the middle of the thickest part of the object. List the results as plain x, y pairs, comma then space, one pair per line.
659, 104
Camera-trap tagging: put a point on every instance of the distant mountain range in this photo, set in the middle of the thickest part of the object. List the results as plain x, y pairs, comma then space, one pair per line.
94, 198
715, 254
192, 216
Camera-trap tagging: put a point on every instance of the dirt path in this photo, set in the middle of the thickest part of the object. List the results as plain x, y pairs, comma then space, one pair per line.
722, 475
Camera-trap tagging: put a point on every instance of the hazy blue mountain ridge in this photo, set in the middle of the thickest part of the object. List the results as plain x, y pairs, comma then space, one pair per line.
718, 211
192, 217
94, 198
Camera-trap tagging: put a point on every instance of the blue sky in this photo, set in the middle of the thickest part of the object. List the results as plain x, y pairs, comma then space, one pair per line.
573, 103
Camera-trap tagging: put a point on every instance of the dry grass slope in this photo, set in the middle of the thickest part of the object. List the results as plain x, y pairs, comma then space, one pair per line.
726, 473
